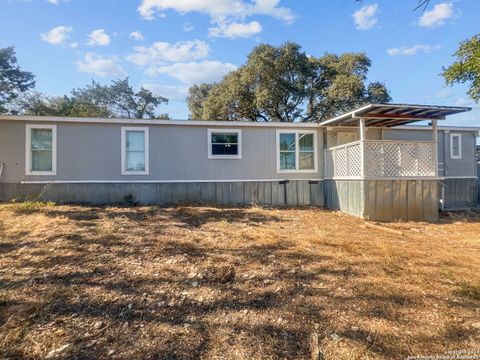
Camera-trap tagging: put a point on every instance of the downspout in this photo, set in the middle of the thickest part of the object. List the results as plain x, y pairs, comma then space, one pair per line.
2, 165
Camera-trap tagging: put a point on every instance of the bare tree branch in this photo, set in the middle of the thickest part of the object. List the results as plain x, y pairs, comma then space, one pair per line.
421, 4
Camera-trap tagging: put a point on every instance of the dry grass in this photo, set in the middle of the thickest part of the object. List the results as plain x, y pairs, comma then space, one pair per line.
232, 283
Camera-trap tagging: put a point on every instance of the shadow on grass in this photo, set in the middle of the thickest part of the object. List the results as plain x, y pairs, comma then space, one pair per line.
167, 316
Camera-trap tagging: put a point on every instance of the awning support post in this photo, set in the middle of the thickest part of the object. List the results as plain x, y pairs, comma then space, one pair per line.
435, 145
362, 146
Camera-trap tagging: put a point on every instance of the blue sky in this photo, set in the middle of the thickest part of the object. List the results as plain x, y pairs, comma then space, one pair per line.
166, 45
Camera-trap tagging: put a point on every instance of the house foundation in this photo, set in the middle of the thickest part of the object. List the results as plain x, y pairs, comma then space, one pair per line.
278, 193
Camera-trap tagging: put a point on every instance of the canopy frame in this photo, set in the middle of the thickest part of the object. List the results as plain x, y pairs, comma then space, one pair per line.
390, 115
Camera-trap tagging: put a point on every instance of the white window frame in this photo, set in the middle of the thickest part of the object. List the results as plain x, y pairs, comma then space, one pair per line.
297, 151
459, 136
28, 150
228, 131
124, 150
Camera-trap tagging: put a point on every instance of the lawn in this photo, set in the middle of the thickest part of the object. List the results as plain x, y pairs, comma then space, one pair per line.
192, 282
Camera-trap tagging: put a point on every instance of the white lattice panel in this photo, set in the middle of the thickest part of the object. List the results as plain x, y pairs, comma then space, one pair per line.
340, 162
344, 161
382, 159
426, 161
354, 153
398, 159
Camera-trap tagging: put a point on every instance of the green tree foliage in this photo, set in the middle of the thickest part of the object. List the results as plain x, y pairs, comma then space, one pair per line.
196, 96
284, 84
36, 103
466, 68
13, 80
95, 100
120, 100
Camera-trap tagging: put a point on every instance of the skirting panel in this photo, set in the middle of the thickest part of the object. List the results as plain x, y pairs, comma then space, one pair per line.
391, 200
384, 200
460, 192
345, 195
292, 193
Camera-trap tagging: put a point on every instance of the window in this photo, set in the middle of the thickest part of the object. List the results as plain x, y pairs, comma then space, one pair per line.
135, 151
224, 144
296, 151
455, 146
41, 150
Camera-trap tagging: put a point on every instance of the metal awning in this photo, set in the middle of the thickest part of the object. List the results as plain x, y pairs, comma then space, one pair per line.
389, 115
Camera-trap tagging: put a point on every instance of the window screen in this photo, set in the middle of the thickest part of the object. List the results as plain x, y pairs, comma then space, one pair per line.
135, 150
42, 150
296, 151
288, 152
455, 146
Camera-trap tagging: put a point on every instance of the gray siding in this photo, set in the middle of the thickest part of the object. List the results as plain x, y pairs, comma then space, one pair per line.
89, 152
466, 165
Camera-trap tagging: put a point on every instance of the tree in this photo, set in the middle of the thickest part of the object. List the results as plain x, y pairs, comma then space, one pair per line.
13, 80
33, 103
95, 100
467, 67
196, 96
284, 84
164, 116
120, 100
36, 103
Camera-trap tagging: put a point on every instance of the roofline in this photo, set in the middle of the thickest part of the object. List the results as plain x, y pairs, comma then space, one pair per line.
212, 123
448, 128
157, 122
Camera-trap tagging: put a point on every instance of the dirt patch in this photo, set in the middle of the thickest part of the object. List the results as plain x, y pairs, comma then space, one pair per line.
196, 282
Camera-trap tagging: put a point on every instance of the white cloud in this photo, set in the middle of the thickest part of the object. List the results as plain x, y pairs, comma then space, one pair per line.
100, 65
194, 72
73, 45
227, 15
187, 26
218, 9
271, 8
465, 102
413, 50
236, 30
98, 38
136, 35
57, 36
171, 92
366, 17
437, 16
161, 52
56, 2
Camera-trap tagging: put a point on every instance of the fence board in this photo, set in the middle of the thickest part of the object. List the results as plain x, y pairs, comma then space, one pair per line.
251, 192
388, 199
194, 192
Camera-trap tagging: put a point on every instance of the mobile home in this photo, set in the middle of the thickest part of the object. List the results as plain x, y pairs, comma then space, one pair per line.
370, 162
